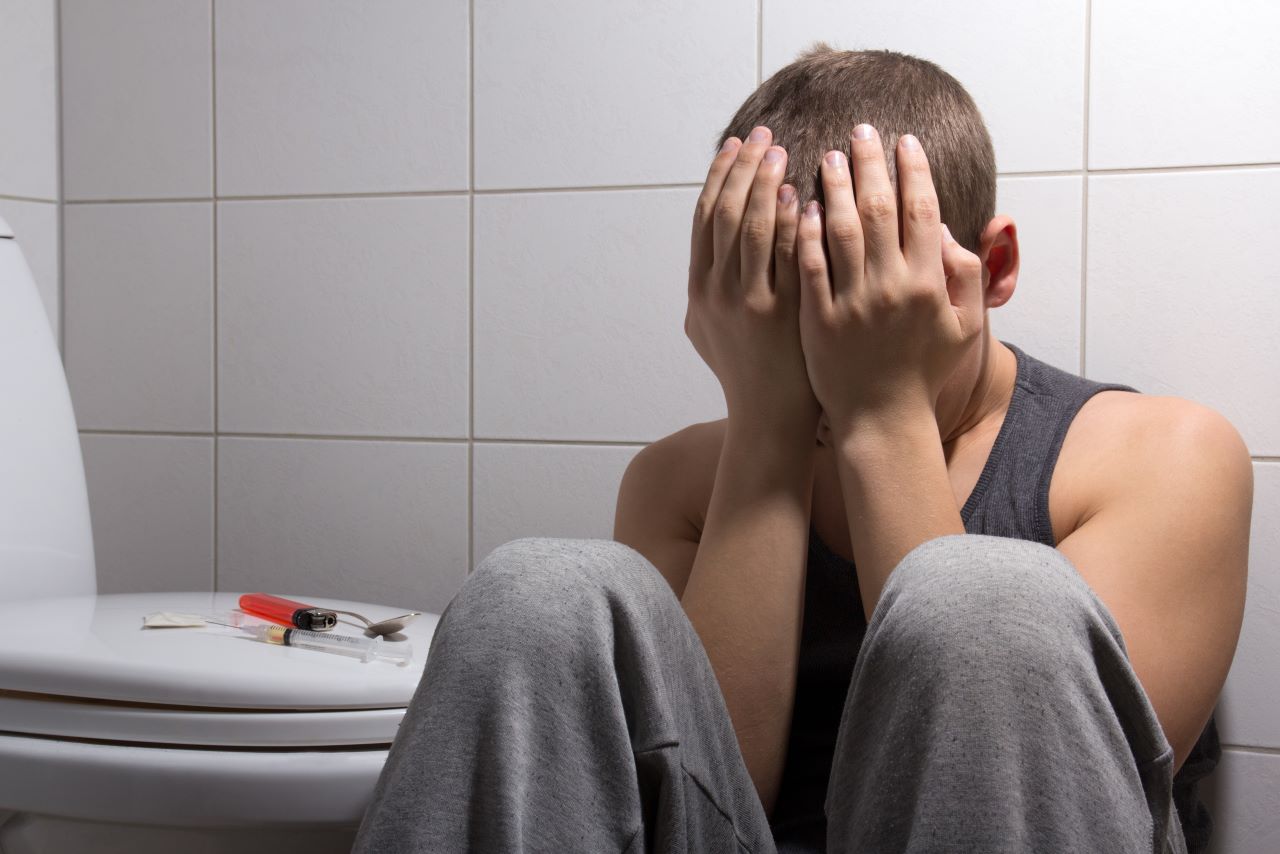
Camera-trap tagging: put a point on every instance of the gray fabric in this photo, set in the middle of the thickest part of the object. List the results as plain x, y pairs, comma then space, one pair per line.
1010, 499
568, 705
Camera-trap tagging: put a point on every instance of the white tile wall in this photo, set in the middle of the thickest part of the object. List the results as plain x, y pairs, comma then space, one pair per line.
342, 97
1244, 791
343, 316
586, 345
1181, 298
381, 522
581, 92
35, 227
1247, 709
28, 99
1023, 63
139, 346
160, 485
1180, 83
503, 307
534, 490
136, 95
1043, 316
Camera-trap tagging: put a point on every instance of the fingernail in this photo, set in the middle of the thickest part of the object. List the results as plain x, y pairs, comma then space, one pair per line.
863, 131
910, 143
786, 194
760, 134
947, 232
728, 144
773, 155
811, 209
835, 159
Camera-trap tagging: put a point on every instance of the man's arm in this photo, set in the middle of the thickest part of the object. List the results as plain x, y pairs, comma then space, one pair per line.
743, 590
1166, 549
1165, 545
897, 493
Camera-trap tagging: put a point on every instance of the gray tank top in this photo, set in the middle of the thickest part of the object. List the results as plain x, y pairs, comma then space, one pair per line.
1010, 499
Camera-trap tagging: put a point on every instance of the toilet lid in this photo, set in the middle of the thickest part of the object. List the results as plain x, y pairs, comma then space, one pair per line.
83, 665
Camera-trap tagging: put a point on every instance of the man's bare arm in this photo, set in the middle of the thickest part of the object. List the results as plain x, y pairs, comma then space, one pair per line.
1166, 548
742, 586
745, 596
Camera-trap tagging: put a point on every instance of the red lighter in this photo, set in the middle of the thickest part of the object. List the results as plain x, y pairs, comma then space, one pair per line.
288, 612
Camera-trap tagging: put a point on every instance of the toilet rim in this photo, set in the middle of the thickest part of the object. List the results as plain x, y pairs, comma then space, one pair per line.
102, 651
118, 722
187, 788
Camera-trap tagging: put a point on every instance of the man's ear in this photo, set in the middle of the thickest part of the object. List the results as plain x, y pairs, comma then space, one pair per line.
998, 249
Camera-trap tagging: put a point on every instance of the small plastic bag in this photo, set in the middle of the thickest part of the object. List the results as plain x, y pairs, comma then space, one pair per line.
171, 619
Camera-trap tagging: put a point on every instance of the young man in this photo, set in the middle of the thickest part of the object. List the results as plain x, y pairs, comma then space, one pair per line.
1049, 577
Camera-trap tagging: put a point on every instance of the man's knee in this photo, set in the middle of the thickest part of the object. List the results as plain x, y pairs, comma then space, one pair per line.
965, 593
553, 579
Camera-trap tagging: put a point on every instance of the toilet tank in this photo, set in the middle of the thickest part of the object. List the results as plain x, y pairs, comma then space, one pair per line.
46, 544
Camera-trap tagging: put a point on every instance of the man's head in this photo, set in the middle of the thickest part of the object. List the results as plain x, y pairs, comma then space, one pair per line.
812, 105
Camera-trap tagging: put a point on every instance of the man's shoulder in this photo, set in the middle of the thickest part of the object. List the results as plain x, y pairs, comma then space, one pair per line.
687, 459
1116, 421
1120, 440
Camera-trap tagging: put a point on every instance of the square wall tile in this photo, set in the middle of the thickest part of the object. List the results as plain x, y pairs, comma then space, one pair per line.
151, 504
1023, 63
377, 522
1043, 316
580, 301
35, 227
1247, 709
343, 316
1242, 794
1183, 83
29, 99
139, 315
137, 99
531, 490
1181, 298
581, 93
342, 97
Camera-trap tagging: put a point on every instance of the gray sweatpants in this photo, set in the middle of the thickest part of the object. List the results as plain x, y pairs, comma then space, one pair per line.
569, 706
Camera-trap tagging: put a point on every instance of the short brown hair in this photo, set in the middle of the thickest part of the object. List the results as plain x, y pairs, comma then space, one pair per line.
813, 104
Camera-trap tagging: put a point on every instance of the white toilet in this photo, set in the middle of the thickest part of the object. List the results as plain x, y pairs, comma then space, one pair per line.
115, 738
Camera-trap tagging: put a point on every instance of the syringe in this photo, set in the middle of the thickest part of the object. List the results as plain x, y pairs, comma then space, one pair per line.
365, 649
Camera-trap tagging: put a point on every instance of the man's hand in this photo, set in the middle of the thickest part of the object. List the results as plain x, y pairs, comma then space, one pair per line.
742, 315
882, 327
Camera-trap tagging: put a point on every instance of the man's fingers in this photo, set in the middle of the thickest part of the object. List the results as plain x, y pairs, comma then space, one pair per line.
701, 243
731, 206
921, 223
811, 263
786, 276
758, 223
844, 232
877, 207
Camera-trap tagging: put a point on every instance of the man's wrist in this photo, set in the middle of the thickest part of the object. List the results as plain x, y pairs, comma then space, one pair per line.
773, 428
867, 429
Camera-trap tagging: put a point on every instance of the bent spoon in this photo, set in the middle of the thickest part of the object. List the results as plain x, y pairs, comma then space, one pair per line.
382, 627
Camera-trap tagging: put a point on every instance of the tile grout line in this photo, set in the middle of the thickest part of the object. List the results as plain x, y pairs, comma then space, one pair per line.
1252, 748
606, 188
759, 41
482, 440
9, 197
339, 437
1084, 187
213, 179
471, 289
61, 191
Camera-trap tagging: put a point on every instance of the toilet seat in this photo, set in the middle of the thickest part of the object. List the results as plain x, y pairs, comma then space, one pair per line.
68, 717
94, 647
101, 719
